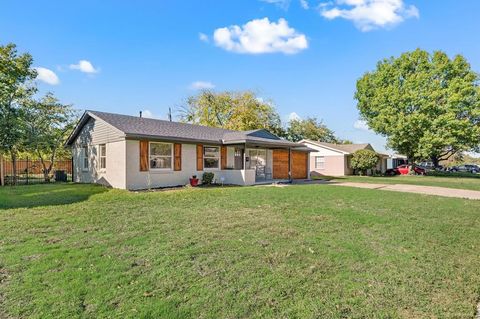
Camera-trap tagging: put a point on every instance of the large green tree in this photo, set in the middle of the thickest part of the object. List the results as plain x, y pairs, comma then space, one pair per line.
47, 125
16, 87
231, 110
427, 105
309, 128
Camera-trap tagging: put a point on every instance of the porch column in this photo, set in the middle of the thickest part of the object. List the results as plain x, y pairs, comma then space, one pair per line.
245, 157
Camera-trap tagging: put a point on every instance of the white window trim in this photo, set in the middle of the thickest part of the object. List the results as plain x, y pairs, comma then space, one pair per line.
219, 158
85, 155
320, 168
171, 156
100, 168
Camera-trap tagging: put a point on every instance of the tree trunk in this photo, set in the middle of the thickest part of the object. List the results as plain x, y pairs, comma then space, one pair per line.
13, 154
435, 160
46, 170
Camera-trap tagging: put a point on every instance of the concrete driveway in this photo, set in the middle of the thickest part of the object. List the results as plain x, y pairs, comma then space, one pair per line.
417, 189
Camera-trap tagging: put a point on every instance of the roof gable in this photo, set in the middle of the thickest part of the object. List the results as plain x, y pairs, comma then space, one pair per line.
343, 148
262, 133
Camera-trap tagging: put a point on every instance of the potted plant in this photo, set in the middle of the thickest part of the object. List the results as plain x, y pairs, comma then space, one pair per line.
194, 181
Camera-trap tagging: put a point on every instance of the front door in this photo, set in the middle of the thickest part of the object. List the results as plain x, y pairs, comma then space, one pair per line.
238, 158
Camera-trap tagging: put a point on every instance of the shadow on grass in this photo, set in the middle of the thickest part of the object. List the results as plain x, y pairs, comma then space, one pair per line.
46, 195
324, 177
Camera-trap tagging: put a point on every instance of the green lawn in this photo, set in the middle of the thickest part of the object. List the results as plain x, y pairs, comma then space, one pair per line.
449, 182
307, 251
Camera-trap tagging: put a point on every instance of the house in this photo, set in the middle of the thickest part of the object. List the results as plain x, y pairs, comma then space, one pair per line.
395, 160
129, 152
334, 159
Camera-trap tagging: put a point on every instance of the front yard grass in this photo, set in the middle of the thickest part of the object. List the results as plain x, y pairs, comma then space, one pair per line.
472, 183
306, 251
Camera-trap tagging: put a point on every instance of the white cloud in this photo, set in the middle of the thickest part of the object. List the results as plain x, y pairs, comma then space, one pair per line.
148, 114
293, 117
261, 36
361, 125
84, 66
203, 37
202, 85
369, 14
283, 4
47, 76
304, 4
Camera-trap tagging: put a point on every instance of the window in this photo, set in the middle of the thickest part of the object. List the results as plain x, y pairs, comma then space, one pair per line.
161, 155
85, 157
211, 157
319, 162
102, 151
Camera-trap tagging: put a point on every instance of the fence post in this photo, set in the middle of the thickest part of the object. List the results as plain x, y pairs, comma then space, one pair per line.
26, 169
2, 173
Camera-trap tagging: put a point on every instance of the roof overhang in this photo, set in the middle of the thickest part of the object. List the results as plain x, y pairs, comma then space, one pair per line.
323, 146
81, 122
170, 139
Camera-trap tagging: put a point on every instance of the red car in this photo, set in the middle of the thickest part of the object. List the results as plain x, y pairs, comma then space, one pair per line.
404, 169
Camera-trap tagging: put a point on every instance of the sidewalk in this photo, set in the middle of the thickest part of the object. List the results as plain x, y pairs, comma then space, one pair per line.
417, 189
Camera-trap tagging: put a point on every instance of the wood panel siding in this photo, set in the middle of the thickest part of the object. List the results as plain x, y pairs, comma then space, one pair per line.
144, 156
177, 154
280, 164
299, 165
223, 157
199, 157
97, 132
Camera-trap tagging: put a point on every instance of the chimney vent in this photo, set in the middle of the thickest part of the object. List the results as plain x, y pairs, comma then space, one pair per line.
140, 113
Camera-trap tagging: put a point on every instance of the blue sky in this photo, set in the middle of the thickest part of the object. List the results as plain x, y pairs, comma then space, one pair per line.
305, 55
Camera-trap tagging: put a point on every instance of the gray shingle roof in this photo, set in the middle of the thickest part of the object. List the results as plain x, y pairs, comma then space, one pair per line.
140, 127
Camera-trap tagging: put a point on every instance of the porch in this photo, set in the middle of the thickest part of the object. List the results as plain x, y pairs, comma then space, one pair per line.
263, 164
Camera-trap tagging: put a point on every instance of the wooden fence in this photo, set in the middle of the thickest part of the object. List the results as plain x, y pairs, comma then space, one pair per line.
31, 171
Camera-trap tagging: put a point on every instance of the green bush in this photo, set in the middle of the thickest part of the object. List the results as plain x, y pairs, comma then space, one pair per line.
362, 160
207, 178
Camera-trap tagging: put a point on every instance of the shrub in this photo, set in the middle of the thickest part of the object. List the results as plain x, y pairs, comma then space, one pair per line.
207, 178
362, 160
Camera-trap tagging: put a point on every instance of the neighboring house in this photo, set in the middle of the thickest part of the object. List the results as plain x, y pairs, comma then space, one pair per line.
131, 152
334, 159
395, 160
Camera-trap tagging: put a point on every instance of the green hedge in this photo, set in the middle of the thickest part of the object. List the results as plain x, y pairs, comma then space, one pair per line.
453, 174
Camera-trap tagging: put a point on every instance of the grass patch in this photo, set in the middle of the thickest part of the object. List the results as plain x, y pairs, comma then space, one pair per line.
295, 252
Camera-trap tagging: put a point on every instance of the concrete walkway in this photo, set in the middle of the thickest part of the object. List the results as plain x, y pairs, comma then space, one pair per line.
417, 189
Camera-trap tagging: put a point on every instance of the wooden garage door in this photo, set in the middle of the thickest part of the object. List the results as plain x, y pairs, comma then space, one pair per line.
280, 164
299, 164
